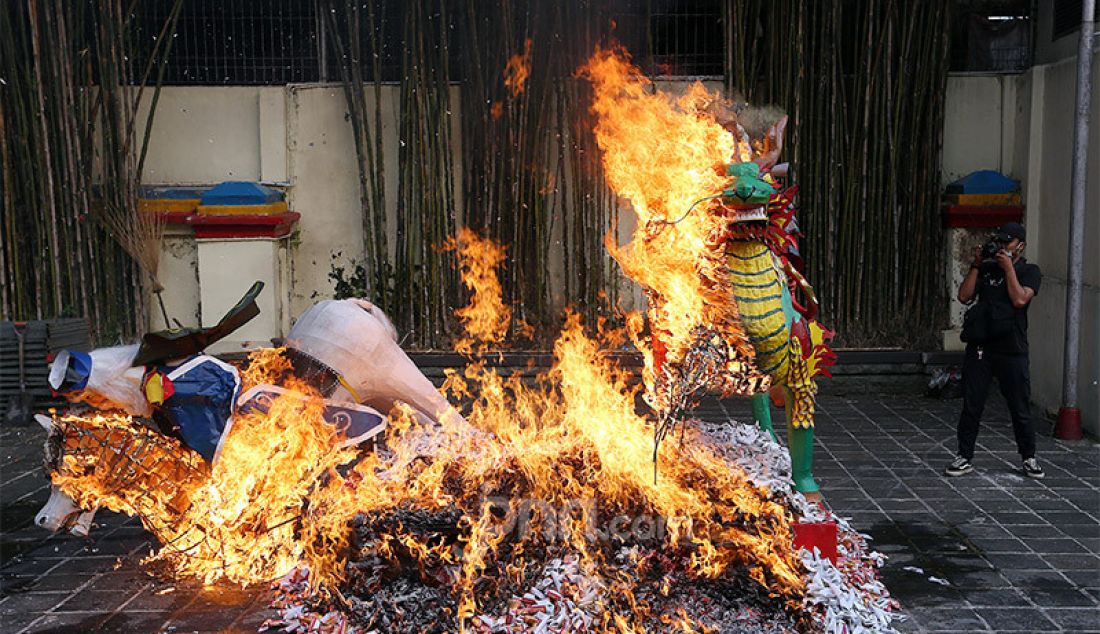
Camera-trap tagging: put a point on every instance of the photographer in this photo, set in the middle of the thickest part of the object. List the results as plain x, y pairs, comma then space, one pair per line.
995, 331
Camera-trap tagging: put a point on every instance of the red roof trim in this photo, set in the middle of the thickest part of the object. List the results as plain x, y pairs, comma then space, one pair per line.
224, 227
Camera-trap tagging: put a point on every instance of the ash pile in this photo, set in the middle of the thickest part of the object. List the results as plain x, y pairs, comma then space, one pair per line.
627, 573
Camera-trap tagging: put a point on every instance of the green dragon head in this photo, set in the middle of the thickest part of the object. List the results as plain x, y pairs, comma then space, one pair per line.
748, 195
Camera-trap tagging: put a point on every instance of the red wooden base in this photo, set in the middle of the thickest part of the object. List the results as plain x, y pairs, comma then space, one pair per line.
981, 216
209, 226
820, 535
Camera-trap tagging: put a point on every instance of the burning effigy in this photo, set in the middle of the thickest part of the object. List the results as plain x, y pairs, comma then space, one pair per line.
715, 250
558, 505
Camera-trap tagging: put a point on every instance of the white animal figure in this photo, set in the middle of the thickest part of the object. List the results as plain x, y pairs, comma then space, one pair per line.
355, 339
352, 338
61, 510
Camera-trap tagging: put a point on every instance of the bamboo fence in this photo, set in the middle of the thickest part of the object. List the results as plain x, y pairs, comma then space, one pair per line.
527, 174
73, 243
863, 81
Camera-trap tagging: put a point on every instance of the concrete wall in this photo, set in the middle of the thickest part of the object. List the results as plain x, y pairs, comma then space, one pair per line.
324, 181
985, 127
295, 137
1048, 236
179, 272
1022, 125
981, 131
204, 135
325, 188
298, 137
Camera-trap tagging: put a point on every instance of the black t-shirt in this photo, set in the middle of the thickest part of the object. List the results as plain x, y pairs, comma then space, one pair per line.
992, 288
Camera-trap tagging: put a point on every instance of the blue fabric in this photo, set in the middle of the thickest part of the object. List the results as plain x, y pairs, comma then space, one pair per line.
201, 405
80, 368
171, 193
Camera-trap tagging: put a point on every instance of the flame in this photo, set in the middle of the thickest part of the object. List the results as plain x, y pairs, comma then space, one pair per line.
517, 70
552, 466
486, 318
235, 521
107, 460
661, 152
568, 454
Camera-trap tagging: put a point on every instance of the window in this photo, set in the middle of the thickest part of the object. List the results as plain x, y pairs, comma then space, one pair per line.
235, 42
1066, 18
991, 36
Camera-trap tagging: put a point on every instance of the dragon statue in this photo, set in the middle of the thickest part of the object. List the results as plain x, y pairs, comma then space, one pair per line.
760, 237
754, 335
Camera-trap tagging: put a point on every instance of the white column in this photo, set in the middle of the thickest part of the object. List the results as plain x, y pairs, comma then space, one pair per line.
227, 267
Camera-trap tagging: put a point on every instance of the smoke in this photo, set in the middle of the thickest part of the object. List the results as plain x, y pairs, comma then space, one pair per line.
757, 120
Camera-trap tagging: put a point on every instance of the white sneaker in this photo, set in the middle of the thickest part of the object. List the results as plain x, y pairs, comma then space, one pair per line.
961, 466
1033, 470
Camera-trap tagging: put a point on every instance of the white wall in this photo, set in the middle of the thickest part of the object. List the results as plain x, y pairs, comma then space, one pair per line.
325, 188
299, 136
1021, 125
179, 272
203, 135
324, 180
978, 129
1049, 239
985, 127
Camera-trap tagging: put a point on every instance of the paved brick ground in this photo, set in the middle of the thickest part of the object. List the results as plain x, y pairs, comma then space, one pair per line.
1013, 554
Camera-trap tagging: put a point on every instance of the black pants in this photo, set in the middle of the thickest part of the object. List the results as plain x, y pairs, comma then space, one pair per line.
1014, 378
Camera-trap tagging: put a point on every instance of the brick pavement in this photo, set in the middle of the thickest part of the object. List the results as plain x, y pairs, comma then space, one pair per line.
1013, 554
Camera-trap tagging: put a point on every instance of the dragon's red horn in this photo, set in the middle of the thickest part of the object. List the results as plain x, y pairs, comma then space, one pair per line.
773, 145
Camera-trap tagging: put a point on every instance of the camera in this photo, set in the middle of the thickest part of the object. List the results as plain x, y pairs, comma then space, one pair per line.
991, 248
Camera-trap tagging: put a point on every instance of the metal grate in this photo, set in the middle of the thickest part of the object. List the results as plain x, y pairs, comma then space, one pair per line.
686, 37
152, 473
246, 42
274, 42
389, 28
236, 42
991, 36
1066, 19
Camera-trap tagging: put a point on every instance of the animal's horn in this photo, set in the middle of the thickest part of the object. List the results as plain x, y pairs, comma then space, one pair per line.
773, 145
45, 421
83, 524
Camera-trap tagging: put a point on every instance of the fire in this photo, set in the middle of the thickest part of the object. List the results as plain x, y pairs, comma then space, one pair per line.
486, 318
235, 521
661, 152
554, 468
517, 70
581, 452
107, 460
566, 458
